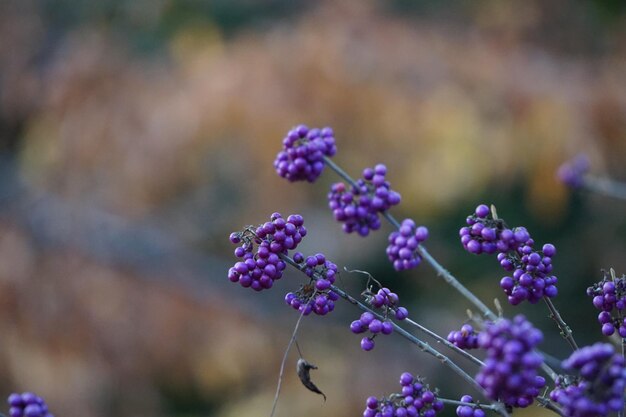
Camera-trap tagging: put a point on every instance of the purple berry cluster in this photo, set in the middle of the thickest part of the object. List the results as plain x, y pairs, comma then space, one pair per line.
468, 410
258, 270
531, 278
609, 296
571, 173
359, 208
369, 322
317, 296
599, 388
484, 234
386, 300
511, 365
27, 404
403, 243
415, 399
304, 149
466, 338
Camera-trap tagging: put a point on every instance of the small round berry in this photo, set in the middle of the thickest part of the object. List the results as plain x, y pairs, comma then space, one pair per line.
482, 211
367, 344
401, 313
372, 402
366, 318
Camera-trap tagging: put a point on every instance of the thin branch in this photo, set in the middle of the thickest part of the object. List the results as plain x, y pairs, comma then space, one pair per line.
282, 364
566, 332
475, 405
549, 405
343, 174
605, 186
447, 343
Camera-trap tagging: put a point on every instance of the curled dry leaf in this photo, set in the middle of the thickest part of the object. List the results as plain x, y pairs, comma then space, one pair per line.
303, 368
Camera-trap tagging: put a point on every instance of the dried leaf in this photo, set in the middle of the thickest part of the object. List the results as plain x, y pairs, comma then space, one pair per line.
302, 368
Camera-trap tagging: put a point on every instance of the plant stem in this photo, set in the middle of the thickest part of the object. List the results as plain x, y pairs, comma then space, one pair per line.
445, 341
282, 364
566, 332
548, 404
456, 402
343, 174
605, 186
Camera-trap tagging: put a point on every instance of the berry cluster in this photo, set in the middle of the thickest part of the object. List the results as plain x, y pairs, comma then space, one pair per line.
510, 370
609, 295
599, 390
468, 410
27, 404
307, 300
258, 270
316, 296
403, 243
387, 301
359, 207
571, 173
530, 279
466, 338
366, 322
484, 234
414, 400
302, 157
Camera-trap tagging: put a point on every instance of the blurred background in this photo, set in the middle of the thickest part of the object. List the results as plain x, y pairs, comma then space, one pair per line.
135, 136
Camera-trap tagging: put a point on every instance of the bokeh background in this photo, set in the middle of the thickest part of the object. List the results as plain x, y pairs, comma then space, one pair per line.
135, 136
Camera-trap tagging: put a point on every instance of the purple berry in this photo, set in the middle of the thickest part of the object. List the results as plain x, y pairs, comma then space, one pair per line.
401, 313
482, 211
387, 328
367, 344
572, 172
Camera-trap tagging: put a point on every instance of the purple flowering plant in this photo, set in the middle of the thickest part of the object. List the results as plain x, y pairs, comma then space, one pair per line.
513, 373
